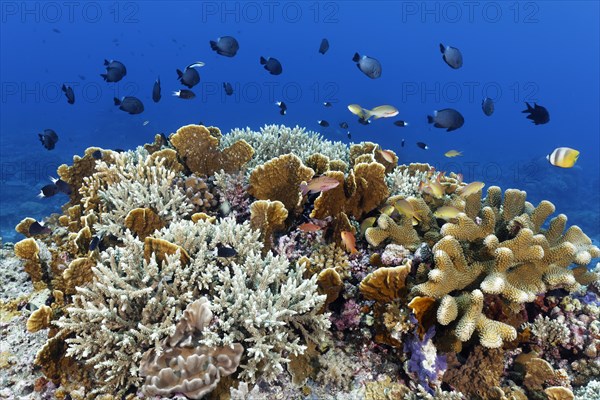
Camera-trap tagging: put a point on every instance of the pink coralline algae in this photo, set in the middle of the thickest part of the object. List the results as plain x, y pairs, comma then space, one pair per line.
349, 318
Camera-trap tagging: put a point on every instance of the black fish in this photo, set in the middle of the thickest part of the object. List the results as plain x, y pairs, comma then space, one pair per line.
224, 251
189, 78
487, 105
97, 154
62, 186
81, 77
422, 145
226, 46
184, 94
69, 93
400, 123
349, 135
538, 114
118, 150
323, 123
38, 229
324, 46
48, 191
94, 243
327, 104
452, 56
282, 107
402, 143
448, 118
165, 139
156, 90
130, 104
368, 65
48, 138
344, 125
115, 71
363, 121
228, 88
55, 30
272, 65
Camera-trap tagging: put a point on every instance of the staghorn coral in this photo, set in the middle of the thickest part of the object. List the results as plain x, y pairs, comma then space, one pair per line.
404, 180
279, 179
139, 183
184, 366
152, 297
588, 392
276, 140
550, 332
201, 154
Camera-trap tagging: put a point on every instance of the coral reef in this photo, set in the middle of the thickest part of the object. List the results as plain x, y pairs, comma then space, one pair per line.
276, 140
196, 267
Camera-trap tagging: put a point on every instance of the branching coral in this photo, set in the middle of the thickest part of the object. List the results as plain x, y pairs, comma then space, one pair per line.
133, 303
276, 140
138, 182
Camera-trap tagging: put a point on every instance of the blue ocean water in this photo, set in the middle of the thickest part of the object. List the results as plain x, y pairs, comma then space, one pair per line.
534, 51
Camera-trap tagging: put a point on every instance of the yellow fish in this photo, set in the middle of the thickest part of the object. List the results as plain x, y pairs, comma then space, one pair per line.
453, 153
434, 188
563, 157
382, 112
473, 187
446, 213
387, 210
404, 207
366, 224
357, 110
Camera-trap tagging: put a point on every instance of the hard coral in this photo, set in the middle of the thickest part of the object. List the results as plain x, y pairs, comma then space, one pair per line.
182, 365
276, 140
280, 179
200, 151
267, 217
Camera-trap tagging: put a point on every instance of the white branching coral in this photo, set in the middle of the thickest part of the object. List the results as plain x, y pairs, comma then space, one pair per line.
550, 332
404, 182
137, 180
134, 303
275, 140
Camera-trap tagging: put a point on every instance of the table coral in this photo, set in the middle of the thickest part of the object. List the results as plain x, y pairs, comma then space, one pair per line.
200, 152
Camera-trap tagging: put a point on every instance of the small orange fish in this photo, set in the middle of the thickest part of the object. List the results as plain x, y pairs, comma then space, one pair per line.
473, 187
322, 183
349, 241
309, 227
387, 155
